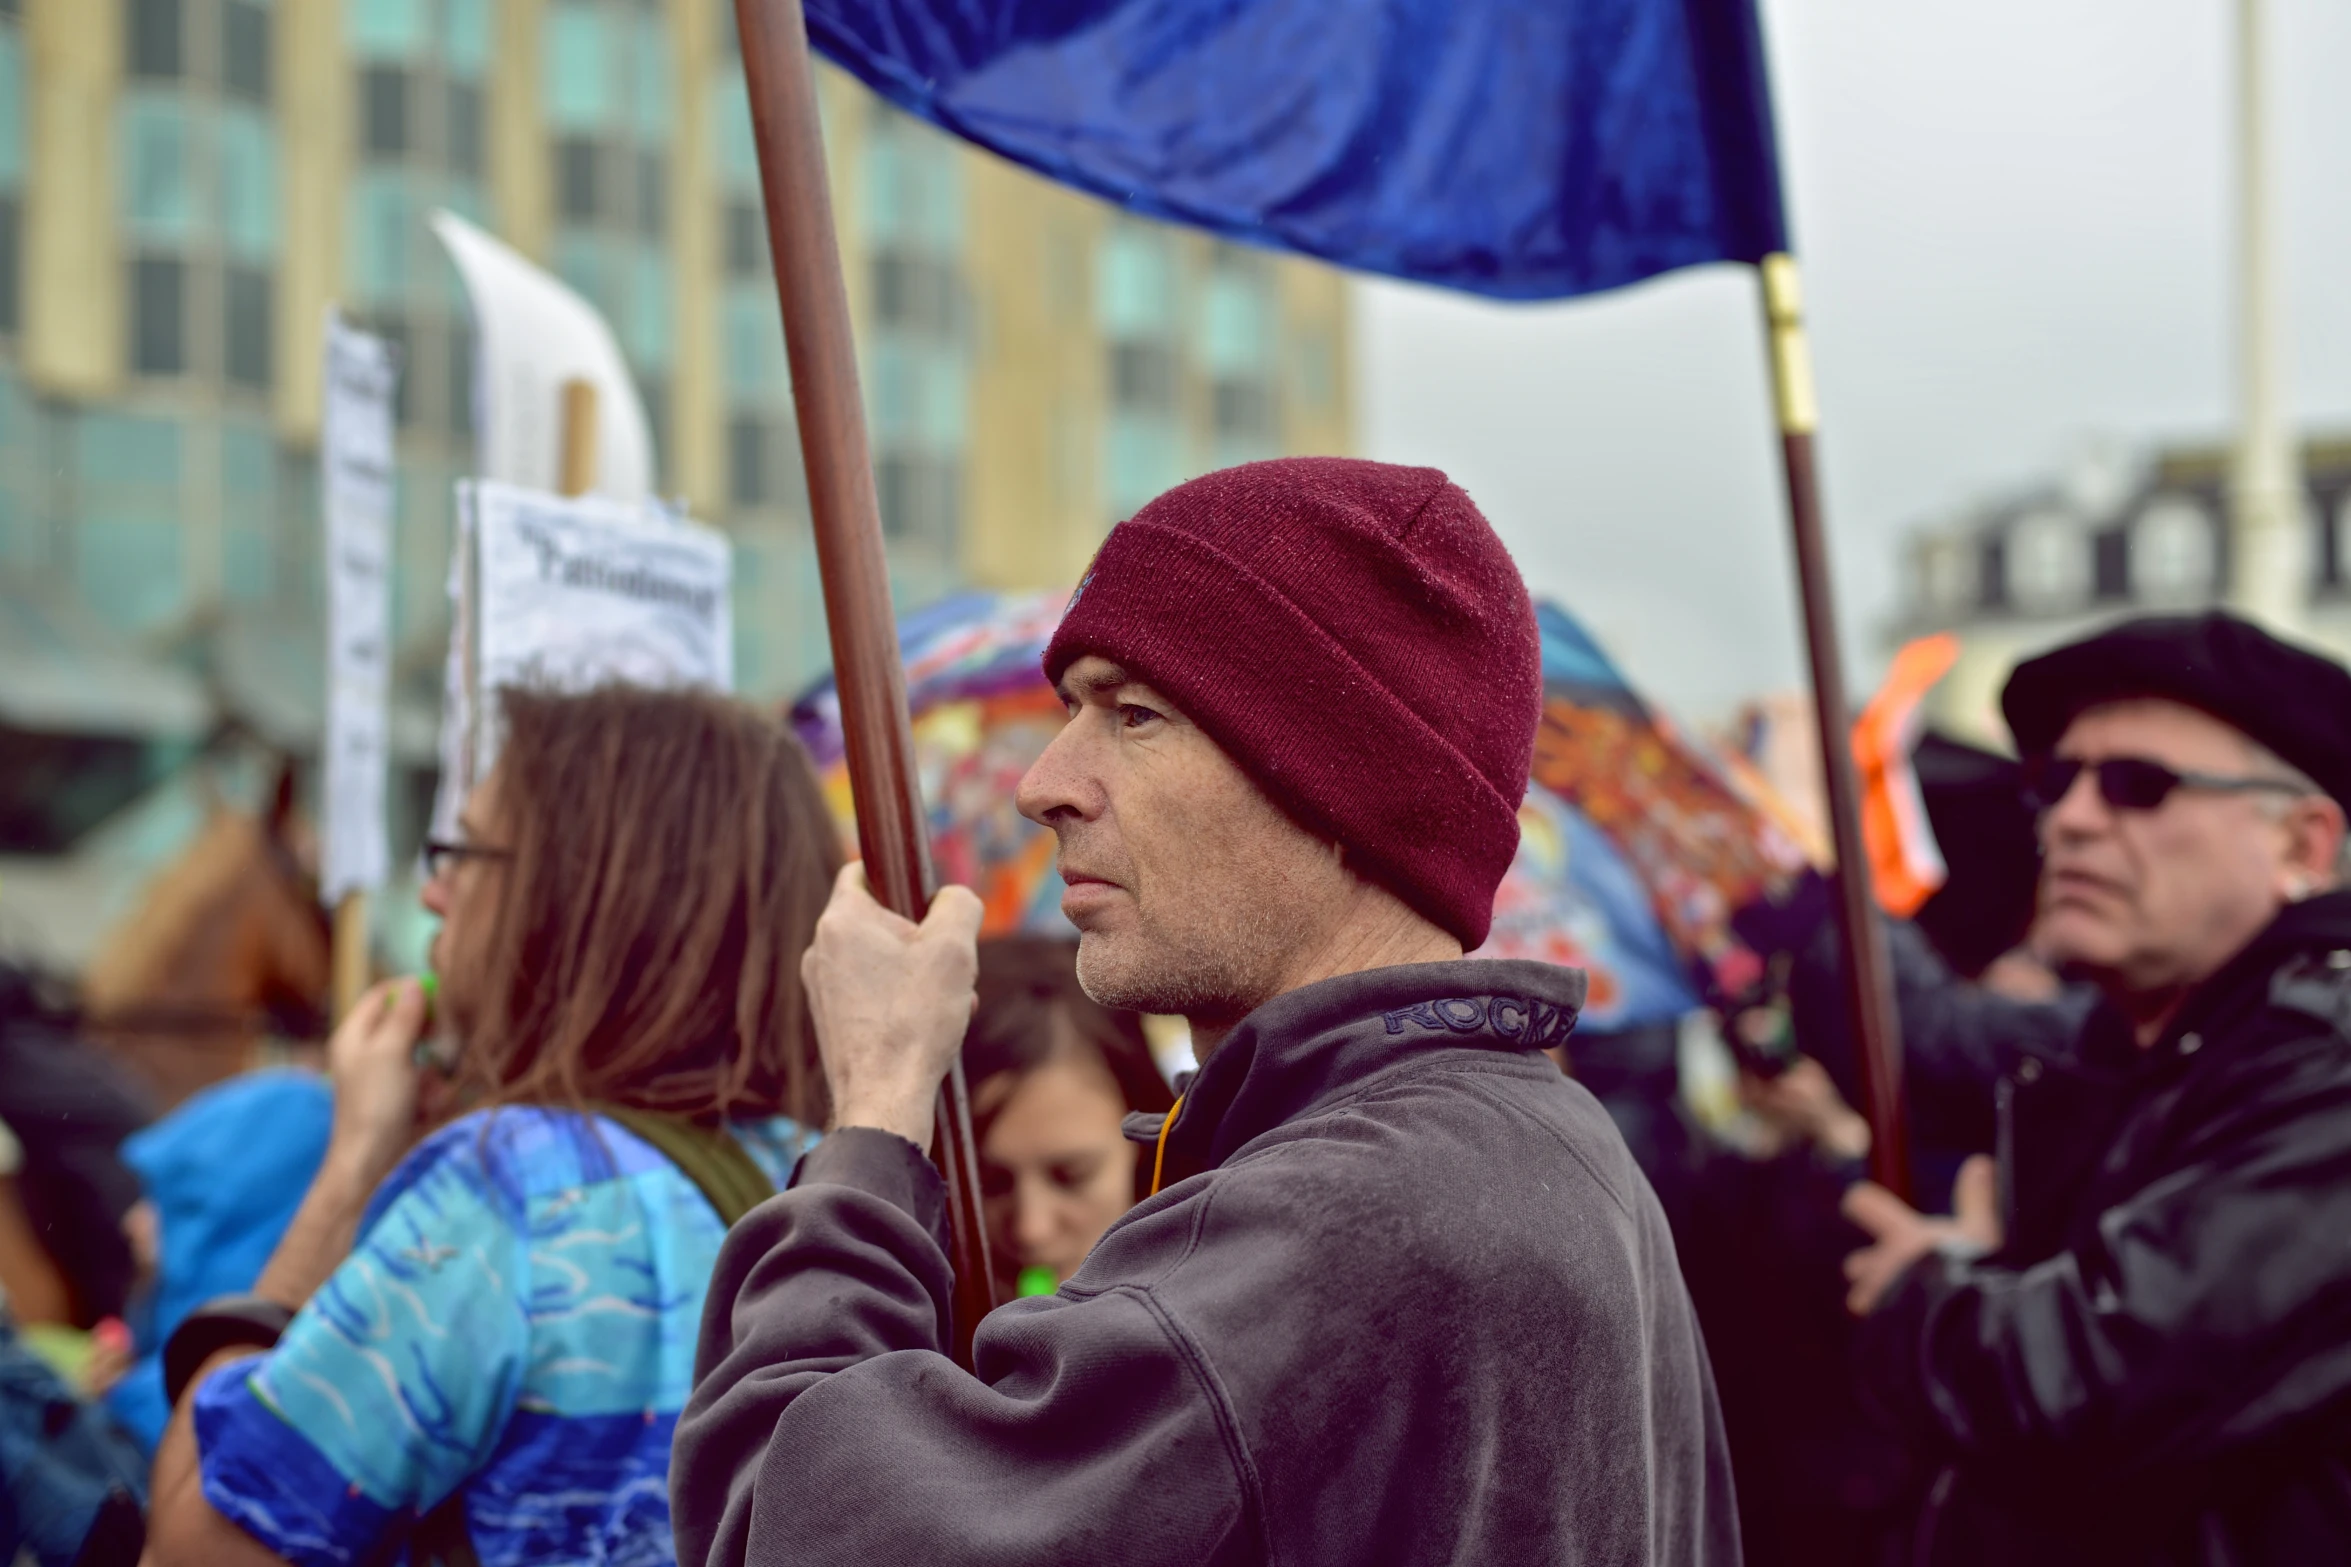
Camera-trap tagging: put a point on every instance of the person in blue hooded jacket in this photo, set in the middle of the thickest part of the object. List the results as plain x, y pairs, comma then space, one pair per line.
221, 1176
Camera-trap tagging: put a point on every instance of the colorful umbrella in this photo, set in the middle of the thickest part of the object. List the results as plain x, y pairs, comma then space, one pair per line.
982, 713
1633, 853
1663, 845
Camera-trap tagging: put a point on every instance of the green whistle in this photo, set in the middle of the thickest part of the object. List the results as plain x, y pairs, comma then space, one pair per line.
429, 1048
1035, 1281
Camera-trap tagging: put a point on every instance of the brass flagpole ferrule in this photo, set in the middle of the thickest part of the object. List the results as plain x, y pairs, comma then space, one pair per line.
1791, 350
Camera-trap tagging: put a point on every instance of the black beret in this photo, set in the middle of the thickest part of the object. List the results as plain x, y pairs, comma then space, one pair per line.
2290, 699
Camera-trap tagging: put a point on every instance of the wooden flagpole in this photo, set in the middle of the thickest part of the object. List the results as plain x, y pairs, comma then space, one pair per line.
575, 452
1869, 980
349, 963
847, 523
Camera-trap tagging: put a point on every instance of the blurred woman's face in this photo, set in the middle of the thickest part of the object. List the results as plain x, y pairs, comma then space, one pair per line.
1056, 1168
464, 890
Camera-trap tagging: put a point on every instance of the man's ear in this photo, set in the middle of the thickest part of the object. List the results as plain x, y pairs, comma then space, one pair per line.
2314, 843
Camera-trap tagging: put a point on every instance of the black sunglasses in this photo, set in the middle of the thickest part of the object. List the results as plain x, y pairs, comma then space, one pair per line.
440, 854
2132, 783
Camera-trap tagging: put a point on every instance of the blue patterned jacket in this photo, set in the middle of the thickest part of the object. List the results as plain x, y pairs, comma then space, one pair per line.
517, 1319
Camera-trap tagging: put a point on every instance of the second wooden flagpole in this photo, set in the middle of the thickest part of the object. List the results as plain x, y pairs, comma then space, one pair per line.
847, 524
1869, 980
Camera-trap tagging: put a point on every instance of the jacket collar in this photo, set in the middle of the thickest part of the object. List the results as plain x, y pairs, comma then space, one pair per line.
1321, 1043
2318, 924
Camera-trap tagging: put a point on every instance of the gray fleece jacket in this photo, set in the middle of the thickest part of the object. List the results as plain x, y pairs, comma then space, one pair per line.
1403, 1297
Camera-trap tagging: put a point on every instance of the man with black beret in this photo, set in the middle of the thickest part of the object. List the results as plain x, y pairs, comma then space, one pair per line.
2152, 1362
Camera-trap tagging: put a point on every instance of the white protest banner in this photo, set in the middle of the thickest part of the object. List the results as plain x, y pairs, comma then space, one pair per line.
457, 685
355, 482
535, 334
568, 593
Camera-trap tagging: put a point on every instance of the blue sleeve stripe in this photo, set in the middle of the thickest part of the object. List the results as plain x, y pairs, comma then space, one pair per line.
259, 1473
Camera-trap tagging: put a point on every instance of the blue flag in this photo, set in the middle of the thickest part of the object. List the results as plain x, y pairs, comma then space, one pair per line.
1519, 148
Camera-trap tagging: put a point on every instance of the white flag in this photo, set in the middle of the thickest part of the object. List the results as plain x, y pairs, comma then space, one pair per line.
535, 334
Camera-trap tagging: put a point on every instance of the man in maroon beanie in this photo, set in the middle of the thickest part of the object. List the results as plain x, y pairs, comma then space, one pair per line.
1400, 1295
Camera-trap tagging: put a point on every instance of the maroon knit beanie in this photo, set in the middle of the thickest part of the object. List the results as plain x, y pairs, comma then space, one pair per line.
1357, 640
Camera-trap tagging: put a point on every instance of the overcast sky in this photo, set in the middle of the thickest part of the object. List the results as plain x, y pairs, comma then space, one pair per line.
2016, 222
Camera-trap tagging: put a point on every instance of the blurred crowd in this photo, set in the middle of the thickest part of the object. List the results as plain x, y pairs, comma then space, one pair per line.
503, 1197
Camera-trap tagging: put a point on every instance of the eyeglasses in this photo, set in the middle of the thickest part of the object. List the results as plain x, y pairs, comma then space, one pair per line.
2132, 783
441, 855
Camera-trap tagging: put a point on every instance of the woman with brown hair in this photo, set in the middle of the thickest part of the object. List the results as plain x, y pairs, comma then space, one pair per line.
478, 1345
1053, 1075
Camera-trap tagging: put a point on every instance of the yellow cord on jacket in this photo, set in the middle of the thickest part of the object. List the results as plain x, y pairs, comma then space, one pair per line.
1159, 1159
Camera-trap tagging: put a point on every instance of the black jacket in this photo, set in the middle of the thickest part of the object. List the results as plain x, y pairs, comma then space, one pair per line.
2156, 1367
1405, 1299
1958, 1039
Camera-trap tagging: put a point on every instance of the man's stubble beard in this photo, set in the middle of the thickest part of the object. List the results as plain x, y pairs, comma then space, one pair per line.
1217, 970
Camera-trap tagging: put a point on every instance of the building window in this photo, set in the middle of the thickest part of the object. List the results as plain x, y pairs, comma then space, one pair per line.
744, 476
577, 86
762, 455
757, 373
653, 394
12, 126
652, 196
1236, 318
2110, 565
2174, 552
11, 283
1238, 348
128, 449
244, 50
605, 73
386, 29
916, 292
746, 239
2047, 564
918, 498
1244, 412
1145, 458
1143, 377
465, 129
1136, 307
383, 221
465, 28
246, 326
423, 130
1991, 590
575, 179
1318, 374
383, 95
248, 184
396, 331
1135, 286
461, 368
158, 195
154, 29
127, 544
918, 378
248, 471
912, 186
1945, 570
2327, 516
12, 139
159, 326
